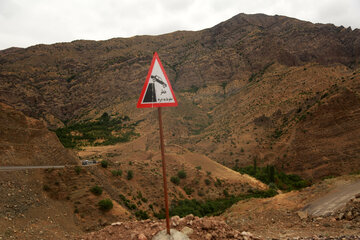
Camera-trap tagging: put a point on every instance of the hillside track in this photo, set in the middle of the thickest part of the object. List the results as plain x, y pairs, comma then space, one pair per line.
334, 200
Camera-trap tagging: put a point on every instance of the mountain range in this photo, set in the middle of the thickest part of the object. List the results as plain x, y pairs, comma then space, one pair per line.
270, 89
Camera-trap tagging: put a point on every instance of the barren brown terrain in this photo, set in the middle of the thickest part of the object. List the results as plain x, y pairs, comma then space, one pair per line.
261, 89
26, 141
286, 216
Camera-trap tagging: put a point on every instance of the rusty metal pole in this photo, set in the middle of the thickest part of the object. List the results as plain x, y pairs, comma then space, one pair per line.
164, 172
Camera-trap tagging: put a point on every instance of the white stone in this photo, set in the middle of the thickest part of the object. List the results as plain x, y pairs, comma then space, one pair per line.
174, 235
186, 230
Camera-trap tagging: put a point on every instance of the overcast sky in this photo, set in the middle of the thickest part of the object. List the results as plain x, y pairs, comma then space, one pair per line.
28, 22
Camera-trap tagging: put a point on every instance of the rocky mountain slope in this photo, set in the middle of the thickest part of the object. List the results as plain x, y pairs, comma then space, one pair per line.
252, 87
26, 141
256, 88
66, 79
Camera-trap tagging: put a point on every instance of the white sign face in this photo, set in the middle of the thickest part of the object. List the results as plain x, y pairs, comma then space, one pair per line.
157, 91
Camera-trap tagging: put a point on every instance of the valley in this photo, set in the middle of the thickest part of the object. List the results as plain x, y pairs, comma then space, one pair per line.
256, 91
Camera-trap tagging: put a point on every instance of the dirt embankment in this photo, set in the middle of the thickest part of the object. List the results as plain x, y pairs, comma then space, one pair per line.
285, 216
26, 141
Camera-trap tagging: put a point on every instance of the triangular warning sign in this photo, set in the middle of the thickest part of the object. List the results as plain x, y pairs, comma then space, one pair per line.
157, 91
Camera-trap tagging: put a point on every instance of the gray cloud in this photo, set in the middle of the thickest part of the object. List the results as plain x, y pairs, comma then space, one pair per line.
24, 23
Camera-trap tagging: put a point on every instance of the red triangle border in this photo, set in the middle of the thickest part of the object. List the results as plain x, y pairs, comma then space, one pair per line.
152, 105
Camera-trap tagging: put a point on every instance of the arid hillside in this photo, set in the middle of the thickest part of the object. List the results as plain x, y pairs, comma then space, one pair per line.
65, 80
26, 141
252, 87
254, 90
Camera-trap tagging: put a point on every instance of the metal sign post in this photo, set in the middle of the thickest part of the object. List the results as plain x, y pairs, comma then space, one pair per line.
157, 92
164, 172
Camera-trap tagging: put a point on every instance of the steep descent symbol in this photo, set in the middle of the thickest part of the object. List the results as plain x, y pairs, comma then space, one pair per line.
157, 91
150, 96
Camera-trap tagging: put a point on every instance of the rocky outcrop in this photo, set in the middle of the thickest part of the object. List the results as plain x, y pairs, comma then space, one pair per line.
351, 211
194, 228
26, 141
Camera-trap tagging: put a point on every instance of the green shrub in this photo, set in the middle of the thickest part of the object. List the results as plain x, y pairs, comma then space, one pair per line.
207, 181
130, 175
46, 188
105, 205
127, 202
175, 180
181, 174
116, 173
77, 169
218, 182
188, 190
141, 215
96, 190
76, 210
104, 163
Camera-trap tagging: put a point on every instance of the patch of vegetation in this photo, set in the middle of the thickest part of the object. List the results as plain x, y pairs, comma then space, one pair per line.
76, 210
103, 131
207, 181
211, 207
127, 202
130, 175
46, 188
181, 174
71, 78
324, 95
175, 180
188, 190
116, 173
96, 190
104, 163
277, 133
258, 75
141, 215
218, 182
105, 205
269, 174
77, 169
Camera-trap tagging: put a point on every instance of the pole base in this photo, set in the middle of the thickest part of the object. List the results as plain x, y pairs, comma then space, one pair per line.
174, 235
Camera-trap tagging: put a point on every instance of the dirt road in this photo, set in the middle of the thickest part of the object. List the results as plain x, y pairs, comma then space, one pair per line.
334, 200
17, 168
